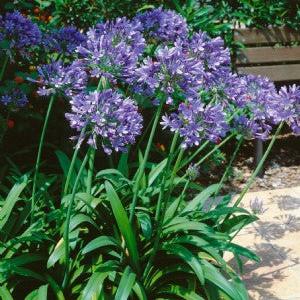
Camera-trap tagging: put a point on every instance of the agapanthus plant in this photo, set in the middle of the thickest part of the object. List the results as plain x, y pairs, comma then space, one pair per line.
57, 78
289, 101
197, 123
18, 34
15, 99
64, 40
160, 25
109, 118
137, 231
170, 73
112, 49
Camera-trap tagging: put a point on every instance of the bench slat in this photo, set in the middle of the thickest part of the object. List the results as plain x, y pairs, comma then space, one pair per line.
275, 73
249, 36
268, 55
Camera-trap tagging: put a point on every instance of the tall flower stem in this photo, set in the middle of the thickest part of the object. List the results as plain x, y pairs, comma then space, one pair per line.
90, 170
206, 156
72, 164
259, 166
66, 235
191, 157
237, 148
166, 175
253, 176
204, 145
162, 205
38, 160
5, 62
143, 164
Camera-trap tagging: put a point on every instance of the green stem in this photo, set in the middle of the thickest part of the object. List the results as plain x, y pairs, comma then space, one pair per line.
204, 145
166, 174
141, 139
259, 166
254, 174
191, 157
90, 170
207, 155
214, 149
37, 164
160, 213
229, 165
66, 236
5, 62
143, 165
72, 164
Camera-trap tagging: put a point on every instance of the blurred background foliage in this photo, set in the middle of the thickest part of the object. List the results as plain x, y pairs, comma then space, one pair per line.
212, 16
216, 17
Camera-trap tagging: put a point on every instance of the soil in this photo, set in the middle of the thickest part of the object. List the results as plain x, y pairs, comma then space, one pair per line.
281, 170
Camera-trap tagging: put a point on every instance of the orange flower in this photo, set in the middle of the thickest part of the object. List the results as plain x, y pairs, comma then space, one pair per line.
19, 79
36, 10
161, 147
10, 123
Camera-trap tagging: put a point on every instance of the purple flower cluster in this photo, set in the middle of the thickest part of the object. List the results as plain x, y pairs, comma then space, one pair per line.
56, 78
64, 40
112, 49
190, 74
261, 110
195, 122
214, 56
161, 25
289, 98
106, 115
171, 71
15, 98
19, 32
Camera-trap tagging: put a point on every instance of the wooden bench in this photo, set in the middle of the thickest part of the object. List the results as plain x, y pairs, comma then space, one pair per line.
272, 52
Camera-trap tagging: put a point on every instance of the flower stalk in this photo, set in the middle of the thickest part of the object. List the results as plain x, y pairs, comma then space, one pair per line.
259, 166
5, 62
39, 155
66, 235
143, 164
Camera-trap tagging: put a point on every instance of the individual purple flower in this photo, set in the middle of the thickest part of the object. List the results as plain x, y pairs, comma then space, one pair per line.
195, 122
106, 116
20, 32
15, 98
163, 25
56, 78
112, 49
64, 40
171, 72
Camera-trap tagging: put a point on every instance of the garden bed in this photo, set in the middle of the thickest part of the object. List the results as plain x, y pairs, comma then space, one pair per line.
281, 170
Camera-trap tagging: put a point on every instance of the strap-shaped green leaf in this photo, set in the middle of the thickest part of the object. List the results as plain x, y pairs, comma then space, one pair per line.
11, 199
156, 171
99, 242
181, 292
188, 257
5, 294
215, 277
198, 202
124, 225
126, 284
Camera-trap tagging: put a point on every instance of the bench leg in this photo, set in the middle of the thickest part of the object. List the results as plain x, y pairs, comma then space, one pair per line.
259, 149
